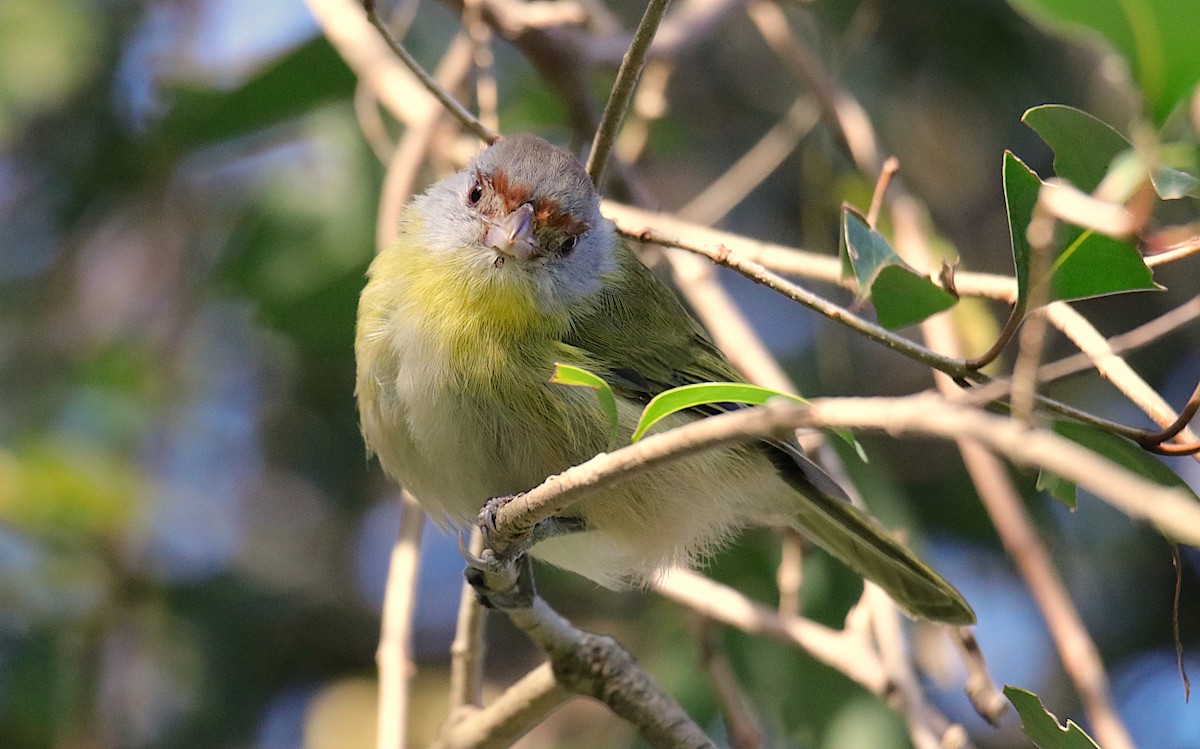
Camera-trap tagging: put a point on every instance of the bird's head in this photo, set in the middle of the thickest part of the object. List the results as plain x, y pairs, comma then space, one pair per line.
524, 212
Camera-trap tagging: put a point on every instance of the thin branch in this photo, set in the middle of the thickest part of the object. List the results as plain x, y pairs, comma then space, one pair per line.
737, 710
469, 121
840, 650
988, 701
394, 656
886, 173
1117, 370
1172, 510
846, 116
789, 575
514, 713
400, 179
623, 88
466, 651
487, 95
748, 172
1175, 252
597, 666
1007, 512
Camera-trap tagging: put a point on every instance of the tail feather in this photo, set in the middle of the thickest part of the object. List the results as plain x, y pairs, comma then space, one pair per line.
864, 545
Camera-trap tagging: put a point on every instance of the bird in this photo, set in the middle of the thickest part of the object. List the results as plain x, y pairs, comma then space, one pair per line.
508, 267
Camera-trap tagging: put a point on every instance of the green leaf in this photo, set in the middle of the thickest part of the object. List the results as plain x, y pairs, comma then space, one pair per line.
310, 76
1042, 728
1058, 487
702, 394
1157, 38
1084, 146
1088, 265
1021, 188
901, 296
1087, 149
565, 374
1093, 264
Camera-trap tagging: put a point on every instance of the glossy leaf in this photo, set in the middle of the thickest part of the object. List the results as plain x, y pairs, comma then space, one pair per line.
1157, 38
901, 296
565, 374
1087, 149
1042, 728
1088, 265
701, 394
1084, 146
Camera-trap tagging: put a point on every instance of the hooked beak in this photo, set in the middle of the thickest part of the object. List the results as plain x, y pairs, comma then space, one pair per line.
513, 234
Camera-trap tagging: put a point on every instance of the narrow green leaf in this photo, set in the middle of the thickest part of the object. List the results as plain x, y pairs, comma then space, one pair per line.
1084, 146
702, 394
1042, 728
1157, 38
901, 296
565, 374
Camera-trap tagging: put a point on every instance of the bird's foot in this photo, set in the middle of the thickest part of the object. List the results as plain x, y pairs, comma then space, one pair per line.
504, 580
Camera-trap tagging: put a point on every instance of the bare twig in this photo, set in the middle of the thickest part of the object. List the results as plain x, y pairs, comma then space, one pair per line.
394, 656
597, 666
486, 93
840, 110
741, 724
789, 575
1007, 512
510, 716
1172, 510
748, 172
400, 180
1180, 250
469, 121
848, 653
988, 701
466, 651
890, 167
1117, 370
623, 88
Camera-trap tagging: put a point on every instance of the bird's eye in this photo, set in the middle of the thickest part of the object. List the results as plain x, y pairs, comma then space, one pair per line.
568, 244
475, 194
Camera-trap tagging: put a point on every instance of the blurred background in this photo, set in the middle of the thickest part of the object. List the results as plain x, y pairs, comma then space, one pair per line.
193, 545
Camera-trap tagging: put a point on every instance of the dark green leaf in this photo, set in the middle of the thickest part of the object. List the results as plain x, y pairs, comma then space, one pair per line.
1058, 487
1157, 38
901, 296
1088, 265
1084, 146
1094, 265
1021, 188
310, 76
1042, 728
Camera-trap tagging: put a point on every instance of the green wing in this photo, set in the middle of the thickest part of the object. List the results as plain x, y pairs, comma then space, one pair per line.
644, 342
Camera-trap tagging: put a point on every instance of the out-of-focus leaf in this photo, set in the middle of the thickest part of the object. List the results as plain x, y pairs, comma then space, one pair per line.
1088, 265
565, 374
901, 296
1087, 149
1058, 487
1120, 451
1042, 728
310, 76
1157, 38
1084, 146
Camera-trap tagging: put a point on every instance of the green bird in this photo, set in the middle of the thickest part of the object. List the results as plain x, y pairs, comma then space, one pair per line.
502, 270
